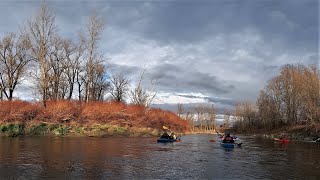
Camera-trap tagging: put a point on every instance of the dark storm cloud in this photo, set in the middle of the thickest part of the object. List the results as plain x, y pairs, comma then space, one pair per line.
219, 48
190, 107
189, 21
210, 99
178, 78
124, 69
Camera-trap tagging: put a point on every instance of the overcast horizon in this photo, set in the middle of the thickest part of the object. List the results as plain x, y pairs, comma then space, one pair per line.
203, 51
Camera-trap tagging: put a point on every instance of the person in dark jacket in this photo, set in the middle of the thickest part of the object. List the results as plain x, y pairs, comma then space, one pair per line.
228, 139
165, 135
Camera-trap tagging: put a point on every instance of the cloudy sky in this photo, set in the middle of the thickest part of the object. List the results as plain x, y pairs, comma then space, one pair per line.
217, 51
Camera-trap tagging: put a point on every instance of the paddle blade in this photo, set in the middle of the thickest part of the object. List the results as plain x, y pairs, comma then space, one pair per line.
164, 127
212, 140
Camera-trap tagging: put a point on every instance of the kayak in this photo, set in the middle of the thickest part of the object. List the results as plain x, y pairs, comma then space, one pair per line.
227, 145
164, 140
282, 140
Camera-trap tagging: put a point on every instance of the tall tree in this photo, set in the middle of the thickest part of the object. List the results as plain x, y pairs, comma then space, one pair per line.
211, 116
94, 67
42, 32
180, 110
226, 118
73, 66
14, 58
56, 89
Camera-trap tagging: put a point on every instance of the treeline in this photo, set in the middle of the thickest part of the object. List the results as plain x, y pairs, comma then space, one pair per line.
202, 117
61, 68
289, 99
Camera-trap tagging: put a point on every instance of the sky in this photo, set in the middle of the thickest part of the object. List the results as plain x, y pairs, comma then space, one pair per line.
196, 51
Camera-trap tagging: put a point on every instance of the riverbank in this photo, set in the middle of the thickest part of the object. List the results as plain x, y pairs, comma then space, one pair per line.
86, 119
295, 133
91, 130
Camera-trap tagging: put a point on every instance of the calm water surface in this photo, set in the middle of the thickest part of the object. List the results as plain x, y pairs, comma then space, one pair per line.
142, 158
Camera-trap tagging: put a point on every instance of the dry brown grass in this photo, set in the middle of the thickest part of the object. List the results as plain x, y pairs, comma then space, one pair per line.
73, 112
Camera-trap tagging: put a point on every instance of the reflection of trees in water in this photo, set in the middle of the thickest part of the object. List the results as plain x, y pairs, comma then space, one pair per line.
125, 158
16, 157
286, 160
73, 157
91, 157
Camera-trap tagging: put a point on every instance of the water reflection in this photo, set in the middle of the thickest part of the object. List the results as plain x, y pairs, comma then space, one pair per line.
142, 158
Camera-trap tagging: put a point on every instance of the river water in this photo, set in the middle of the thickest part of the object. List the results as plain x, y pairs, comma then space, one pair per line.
142, 158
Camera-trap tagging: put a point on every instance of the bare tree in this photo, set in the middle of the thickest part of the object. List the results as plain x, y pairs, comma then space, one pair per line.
226, 119
245, 116
141, 96
42, 31
189, 116
119, 86
95, 62
206, 115
99, 85
56, 70
73, 67
211, 116
13, 61
180, 110
310, 88
200, 113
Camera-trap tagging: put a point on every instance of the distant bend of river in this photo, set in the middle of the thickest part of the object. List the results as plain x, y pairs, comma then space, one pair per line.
142, 158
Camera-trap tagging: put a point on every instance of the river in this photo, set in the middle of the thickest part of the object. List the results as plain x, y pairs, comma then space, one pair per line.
142, 158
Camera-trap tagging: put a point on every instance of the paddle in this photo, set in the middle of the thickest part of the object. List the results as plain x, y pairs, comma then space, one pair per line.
212, 140
220, 136
239, 144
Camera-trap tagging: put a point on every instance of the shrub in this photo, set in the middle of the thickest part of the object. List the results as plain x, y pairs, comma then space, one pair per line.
38, 129
72, 113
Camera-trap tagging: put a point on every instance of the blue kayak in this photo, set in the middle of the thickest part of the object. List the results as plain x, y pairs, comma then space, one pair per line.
227, 145
164, 140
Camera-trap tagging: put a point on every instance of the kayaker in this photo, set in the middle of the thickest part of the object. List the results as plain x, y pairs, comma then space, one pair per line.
228, 139
165, 135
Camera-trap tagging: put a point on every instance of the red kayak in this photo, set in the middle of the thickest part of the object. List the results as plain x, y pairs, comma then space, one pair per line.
282, 140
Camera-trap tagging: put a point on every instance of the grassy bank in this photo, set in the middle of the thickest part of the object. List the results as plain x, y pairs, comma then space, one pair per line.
297, 132
88, 119
92, 130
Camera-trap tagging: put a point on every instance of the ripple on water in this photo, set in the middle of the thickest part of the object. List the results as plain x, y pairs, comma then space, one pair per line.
132, 158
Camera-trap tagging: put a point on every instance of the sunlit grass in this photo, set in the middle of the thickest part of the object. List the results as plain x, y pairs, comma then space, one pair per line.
92, 119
